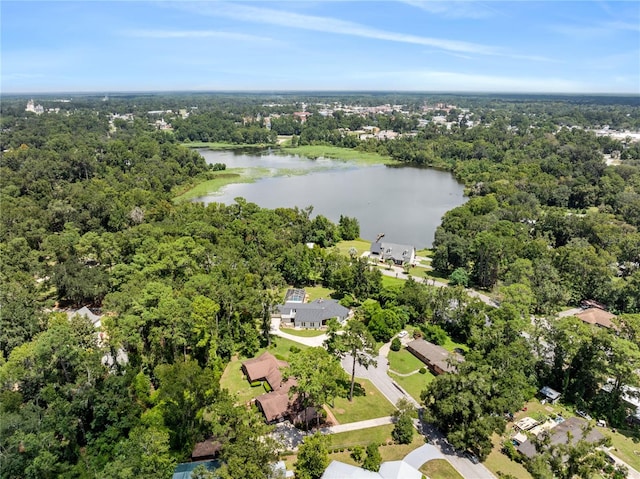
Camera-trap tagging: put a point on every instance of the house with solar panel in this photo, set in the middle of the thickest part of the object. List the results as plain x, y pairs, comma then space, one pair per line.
295, 312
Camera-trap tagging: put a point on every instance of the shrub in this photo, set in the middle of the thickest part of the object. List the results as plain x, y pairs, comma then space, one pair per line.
396, 344
358, 454
373, 459
294, 349
422, 371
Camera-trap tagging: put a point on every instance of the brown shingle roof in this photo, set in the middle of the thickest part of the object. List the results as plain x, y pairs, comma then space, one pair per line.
276, 404
208, 449
434, 356
265, 367
597, 316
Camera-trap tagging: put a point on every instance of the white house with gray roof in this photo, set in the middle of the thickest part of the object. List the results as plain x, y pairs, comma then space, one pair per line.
399, 253
312, 315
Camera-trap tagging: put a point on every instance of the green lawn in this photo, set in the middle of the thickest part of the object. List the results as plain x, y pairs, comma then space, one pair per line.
388, 281
303, 333
359, 244
362, 437
440, 469
497, 462
317, 292
380, 435
370, 405
414, 384
404, 362
625, 447
337, 153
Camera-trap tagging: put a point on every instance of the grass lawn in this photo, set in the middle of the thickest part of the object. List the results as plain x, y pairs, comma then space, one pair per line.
404, 362
359, 244
389, 281
440, 469
425, 252
337, 153
303, 333
497, 462
233, 379
370, 405
363, 437
317, 292
624, 446
414, 384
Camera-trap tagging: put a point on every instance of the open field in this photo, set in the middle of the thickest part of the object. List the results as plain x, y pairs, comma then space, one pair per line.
367, 404
337, 153
440, 469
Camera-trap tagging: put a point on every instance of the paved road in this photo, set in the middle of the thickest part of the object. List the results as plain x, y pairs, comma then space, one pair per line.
380, 379
398, 272
631, 472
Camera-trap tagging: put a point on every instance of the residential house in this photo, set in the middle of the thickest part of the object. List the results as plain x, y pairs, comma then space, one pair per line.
206, 450
550, 394
276, 405
388, 470
573, 429
598, 317
437, 359
264, 368
313, 315
399, 253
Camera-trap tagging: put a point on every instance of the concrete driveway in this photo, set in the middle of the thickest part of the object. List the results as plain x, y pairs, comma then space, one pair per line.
380, 379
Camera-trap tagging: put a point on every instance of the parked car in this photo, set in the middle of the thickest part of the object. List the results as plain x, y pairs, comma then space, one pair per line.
472, 457
583, 414
402, 334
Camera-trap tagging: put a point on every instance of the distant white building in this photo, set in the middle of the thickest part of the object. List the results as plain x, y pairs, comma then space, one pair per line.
33, 108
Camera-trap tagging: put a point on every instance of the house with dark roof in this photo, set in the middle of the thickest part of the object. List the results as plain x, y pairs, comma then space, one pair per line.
573, 429
437, 359
206, 450
550, 394
313, 315
398, 253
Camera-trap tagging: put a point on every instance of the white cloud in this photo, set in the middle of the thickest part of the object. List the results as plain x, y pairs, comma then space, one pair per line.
172, 34
342, 27
453, 9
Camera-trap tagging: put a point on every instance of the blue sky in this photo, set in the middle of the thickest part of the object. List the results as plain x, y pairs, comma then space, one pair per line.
413, 45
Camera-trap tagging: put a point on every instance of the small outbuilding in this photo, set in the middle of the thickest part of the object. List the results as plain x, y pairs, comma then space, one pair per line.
549, 394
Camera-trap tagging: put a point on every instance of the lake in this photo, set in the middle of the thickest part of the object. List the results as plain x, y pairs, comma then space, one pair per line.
404, 203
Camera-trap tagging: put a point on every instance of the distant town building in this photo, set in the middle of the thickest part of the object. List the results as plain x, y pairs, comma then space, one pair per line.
33, 108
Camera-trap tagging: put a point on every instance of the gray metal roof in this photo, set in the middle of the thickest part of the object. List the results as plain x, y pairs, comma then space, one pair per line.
398, 252
318, 310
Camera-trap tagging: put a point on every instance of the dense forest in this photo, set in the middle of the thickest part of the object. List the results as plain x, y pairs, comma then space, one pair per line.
88, 218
